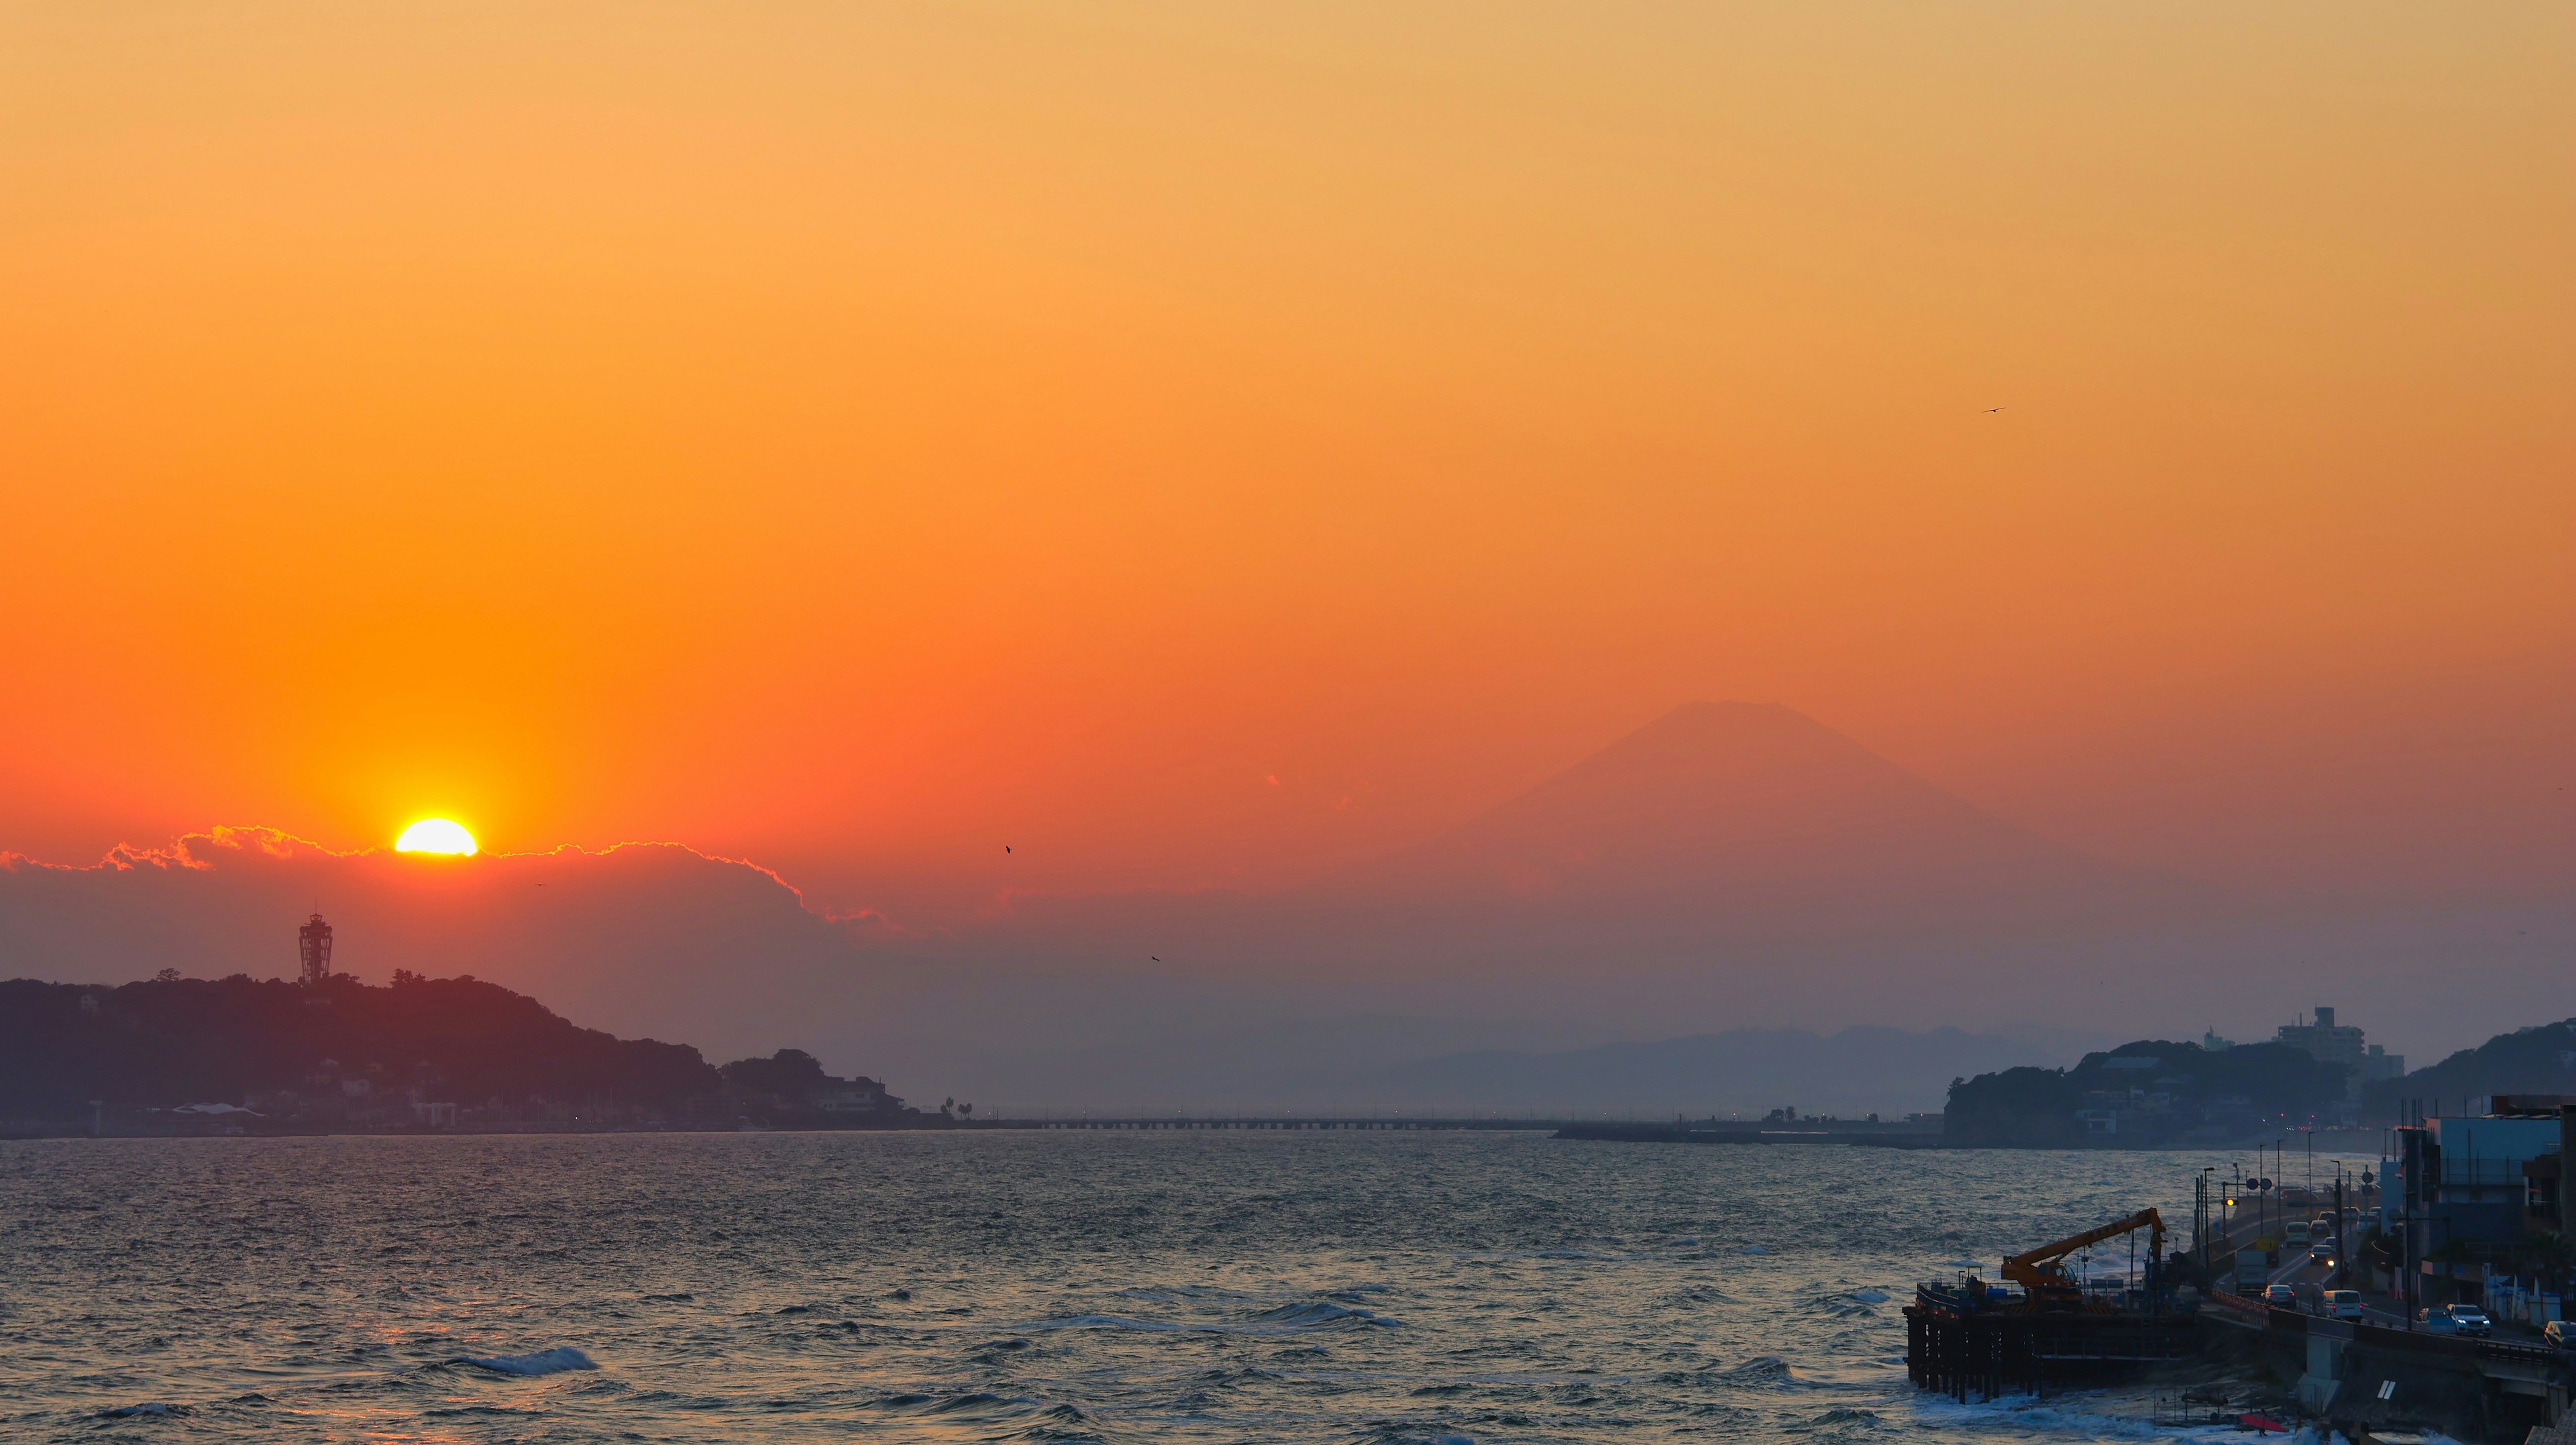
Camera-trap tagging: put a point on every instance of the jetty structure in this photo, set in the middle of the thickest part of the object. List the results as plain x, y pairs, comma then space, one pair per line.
2046, 1325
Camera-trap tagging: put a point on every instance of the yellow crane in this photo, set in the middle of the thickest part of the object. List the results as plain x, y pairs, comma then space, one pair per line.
2042, 1273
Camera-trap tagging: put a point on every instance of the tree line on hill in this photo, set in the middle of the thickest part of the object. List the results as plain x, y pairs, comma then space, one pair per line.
350, 1053
2157, 1091
2536, 1060
2153, 1091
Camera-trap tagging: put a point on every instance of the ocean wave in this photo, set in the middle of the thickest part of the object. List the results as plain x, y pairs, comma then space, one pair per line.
155, 1410
2059, 1419
1112, 1322
1317, 1314
1231, 1374
1677, 1251
543, 1362
1761, 1370
1033, 1421
1280, 1319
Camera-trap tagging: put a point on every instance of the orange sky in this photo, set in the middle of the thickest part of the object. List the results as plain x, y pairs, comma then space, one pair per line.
1197, 443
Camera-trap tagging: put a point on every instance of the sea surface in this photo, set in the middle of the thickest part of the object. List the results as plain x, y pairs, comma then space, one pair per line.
1160, 1286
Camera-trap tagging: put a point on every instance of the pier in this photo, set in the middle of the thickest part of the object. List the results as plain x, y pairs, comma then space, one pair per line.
1968, 1352
1837, 1132
1320, 1121
1969, 1338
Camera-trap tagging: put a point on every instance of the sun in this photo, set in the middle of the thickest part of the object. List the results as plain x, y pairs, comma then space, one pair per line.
436, 835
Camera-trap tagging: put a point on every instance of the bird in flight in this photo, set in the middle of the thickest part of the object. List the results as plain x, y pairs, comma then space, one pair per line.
1006, 847
1990, 411
1156, 957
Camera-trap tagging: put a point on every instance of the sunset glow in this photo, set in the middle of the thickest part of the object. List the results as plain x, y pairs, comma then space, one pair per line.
1573, 580
1214, 447
436, 835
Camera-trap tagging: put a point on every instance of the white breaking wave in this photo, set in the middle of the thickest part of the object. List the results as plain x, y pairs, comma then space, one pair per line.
543, 1362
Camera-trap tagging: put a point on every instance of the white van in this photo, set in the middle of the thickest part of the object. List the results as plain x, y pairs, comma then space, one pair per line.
2297, 1233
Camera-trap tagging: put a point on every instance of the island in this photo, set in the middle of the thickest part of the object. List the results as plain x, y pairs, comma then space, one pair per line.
331, 1054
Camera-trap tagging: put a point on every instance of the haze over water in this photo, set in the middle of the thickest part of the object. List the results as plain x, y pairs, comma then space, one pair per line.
1042, 1287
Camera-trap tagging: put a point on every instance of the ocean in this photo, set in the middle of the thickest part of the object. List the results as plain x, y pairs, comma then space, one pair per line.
1009, 1286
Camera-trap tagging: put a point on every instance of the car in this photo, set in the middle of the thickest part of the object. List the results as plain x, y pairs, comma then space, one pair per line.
2472, 1320
2280, 1296
2343, 1304
2321, 1253
2556, 1335
2436, 1322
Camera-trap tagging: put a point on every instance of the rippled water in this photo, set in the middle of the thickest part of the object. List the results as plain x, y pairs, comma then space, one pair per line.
1001, 1286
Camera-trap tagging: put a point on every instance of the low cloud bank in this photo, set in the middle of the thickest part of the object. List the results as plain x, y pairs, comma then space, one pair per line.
1219, 1002
642, 939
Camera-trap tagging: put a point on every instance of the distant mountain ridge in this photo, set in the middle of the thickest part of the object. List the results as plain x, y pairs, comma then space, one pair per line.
1736, 801
2540, 1059
1849, 1073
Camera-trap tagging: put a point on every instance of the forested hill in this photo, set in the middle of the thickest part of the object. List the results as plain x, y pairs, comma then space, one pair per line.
2143, 1094
2536, 1060
176, 1041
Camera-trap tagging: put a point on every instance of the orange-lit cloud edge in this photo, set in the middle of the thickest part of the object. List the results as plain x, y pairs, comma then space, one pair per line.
195, 852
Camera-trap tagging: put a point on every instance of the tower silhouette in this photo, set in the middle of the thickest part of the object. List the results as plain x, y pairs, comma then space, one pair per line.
313, 946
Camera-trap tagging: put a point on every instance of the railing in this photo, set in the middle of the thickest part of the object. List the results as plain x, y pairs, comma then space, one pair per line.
2238, 1309
2520, 1353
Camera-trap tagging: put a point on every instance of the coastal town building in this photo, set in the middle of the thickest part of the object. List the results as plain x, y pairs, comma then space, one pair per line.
2473, 1192
2331, 1043
854, 1096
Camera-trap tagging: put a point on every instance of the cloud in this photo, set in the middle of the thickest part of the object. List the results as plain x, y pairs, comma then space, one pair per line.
1704, 918
653, 939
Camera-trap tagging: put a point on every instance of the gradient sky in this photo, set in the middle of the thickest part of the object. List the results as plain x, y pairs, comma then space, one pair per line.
1204, 444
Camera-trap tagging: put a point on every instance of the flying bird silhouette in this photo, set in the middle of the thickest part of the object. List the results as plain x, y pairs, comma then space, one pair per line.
1990, 411
1006, 847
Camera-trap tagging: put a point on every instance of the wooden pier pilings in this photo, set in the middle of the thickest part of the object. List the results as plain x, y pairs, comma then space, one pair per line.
1991, 1353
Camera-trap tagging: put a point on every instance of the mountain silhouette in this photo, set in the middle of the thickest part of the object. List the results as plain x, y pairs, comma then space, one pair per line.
1850, 1072
1734, 809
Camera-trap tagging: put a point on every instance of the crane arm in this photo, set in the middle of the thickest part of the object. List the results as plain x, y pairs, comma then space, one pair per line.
2030, 1270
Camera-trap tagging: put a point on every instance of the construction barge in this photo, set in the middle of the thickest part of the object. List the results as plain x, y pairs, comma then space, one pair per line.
1967, 1337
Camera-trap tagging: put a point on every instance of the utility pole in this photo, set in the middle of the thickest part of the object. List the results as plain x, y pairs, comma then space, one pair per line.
2338, 1229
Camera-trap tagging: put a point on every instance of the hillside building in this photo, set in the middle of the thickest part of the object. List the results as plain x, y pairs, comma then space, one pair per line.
2331, 1043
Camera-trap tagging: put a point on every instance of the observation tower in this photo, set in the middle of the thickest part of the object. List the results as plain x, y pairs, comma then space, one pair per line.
313, 947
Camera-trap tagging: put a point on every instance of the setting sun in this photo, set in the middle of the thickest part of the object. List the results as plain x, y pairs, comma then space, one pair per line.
435, 835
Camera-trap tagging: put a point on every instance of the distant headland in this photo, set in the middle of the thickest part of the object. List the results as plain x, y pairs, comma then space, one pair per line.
329, 1054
